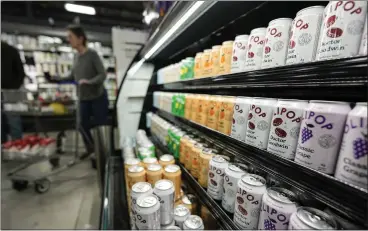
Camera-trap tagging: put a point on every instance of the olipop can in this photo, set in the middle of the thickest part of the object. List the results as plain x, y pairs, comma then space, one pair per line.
320, 135
240, 118
215, 185
353, 158
193, 222
165, 192
148, 212
277, 38
181, 213
312, 219
278, 204
363, 44
304, 35
259, 119
239, 53
248, 201
233, 173
285, 126
139, 189
342, 29
255, 49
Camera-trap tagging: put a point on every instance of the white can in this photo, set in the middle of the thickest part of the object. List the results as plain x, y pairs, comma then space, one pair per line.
240, 46
181, 213
363, 44
278, 204
285, 126
165, 191
342, 29
259, 119
248, 202
193, 222
305, 35
240, 118
139, 189
255, 49
233, 173
353, 158
312, 219
215, 186
320, 135
276, 43
148, 212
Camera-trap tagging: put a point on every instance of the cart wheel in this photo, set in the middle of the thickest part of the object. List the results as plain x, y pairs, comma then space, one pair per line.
55, 162
42, 186
20, 185
93, 163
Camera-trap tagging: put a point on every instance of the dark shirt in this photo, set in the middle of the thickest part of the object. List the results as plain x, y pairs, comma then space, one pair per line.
12, 72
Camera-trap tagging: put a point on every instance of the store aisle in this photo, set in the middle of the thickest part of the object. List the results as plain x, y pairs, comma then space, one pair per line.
72, 204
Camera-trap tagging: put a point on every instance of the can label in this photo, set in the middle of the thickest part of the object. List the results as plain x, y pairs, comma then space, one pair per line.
255, 51
342, 29
198, 69
225, 116
206, 61
182, 150
215, 182
271, 218
195, 105
202, 110
195, 162
363, 44
240, 119
225, 59
166, 208
247, 208
150, 221
213, 112
230, 186
239, 55
215, 62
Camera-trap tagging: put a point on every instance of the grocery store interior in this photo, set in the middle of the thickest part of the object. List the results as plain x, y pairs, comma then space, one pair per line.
179, 115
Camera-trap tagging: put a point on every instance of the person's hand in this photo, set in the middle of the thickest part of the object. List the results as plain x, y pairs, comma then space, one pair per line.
83, 81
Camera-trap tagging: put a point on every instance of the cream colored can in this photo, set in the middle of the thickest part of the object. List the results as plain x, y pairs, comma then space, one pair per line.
225, 57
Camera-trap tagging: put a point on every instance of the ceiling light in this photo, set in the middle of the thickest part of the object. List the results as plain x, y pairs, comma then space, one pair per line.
80, 9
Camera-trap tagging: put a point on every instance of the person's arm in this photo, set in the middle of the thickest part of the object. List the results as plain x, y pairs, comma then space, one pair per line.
101, 73
18, 69
59, 79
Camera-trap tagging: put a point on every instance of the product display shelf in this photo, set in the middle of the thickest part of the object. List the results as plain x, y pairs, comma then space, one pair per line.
348, 199
219, 214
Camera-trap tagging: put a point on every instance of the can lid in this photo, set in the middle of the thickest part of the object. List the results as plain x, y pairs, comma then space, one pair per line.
132, 161
193, 222
147, 201
135, 168
219, 159
207, 151
235, 168
150, 160
289, 20
198, 145
207, 51
318, 8
282, 195
154, 167
141, 187
181, 211
242, 37
228, 43
225, 157
172, 168
172, 227
166, 158
259, 30
192, 141
216, 47
254, 180
199, 53
316, 219
329, 102
243, 166
164, 185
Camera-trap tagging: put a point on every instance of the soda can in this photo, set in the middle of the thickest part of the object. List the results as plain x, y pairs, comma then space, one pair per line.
171, 227
285, 127
353, 158
215, 60
188, 106
225, 117
165, 227
166, 160
183, 145
181, 213
193, 222
172, 172
239, 53
194, 158
213, 111
206, 61
148, 212
250, 190
342, 29
240, 118
154, 173
276, 43
195, 105
312, 219
198, 69
363, 43
149, 160
138, 189
321, 132
304, 35
204, 161
255, 49
259, 119
278, 204
136, 174
165, 191
215, 185
226, 57
145, 152
188, 152
233, 173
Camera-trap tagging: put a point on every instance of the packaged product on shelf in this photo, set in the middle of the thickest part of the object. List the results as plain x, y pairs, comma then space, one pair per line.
363, 44
239, 53
206, 61
186, 68
154, 173
213, 111
285, 127
135, 174
198, 68
188, 106
255, 49
165, 227
203, 105
233, 173
225, 117
144, 152
176, 143
127, 164
215, 185
183, 145
149, 160
148, 212
204, 162
188, 152
178, 104
311, 218
259, 119
194, 158
165, 191
353, 158
321, 133
305, 35
181, 213
278, 204
190, 202
215, 60
250, 190
240, 118
193, 222
342, 29
226, 52
138, 189
172, 172
166, 160
195, 105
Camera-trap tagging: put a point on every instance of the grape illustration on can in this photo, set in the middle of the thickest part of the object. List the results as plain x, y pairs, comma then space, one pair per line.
307, 133
360, 147
268, 225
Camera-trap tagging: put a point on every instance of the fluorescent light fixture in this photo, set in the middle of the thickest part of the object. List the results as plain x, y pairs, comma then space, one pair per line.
80, 9
173, 29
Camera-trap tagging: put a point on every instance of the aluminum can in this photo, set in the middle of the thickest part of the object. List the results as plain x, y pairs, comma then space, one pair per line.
277, 38
193, 222
172, 172
342, 29
198, 69
203, 105
226, 57
171, 227
321, 132
239, 53
240, 118
312, 219
256, 43
138, 189
136, 174
188, 106
149, 160
183, 145
144, 152
363, 44
181, 213
353, 158
213, 111
215, 60
195, 104
285, 127
215, 185
225, 117
277, 206
206, 61
305, 35
166, 160
188, 153
259, 119
154, 173
165, 191
250, 190
204, 163
148, 212
194, 158
233, 173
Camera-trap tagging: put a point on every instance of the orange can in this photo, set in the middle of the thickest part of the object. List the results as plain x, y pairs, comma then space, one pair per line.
166, 160
195, 105
226, 112
136, 174
215, 60
188, 153
198, 69
226, 53
172, 172
202, 112
213, 111
154, 173
188, 106
183, 145
206, 61
204, 164
194, 159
